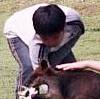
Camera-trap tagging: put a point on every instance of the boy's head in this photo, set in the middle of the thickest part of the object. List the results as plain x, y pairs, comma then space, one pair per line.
49, 23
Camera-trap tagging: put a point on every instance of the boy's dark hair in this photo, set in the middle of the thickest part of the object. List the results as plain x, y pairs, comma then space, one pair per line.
48, 20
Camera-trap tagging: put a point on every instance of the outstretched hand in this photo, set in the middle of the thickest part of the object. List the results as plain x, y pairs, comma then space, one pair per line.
73, 66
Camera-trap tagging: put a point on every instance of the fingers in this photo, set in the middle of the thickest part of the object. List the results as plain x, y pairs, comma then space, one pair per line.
73, 66
61, 66
70, 66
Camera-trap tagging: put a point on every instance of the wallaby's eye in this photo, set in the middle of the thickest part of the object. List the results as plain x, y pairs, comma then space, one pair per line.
43, 89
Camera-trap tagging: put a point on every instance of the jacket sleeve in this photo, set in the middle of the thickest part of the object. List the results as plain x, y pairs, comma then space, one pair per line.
78, 23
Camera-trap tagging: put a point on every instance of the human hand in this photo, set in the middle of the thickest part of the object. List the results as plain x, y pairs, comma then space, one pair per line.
73, 66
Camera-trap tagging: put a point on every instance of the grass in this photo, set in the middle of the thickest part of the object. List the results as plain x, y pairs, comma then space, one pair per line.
7, 65
88, 46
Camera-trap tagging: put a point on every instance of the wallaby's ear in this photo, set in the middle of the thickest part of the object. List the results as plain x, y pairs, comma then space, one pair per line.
44, 65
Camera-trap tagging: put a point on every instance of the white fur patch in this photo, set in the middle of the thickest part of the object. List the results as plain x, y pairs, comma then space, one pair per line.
31, 90
43, 89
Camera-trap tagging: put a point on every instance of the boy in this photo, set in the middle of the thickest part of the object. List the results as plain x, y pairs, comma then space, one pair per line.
56, 30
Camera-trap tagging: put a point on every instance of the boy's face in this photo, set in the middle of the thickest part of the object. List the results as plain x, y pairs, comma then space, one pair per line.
54, 40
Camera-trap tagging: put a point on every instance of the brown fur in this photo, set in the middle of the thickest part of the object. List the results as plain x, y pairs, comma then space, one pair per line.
77, 84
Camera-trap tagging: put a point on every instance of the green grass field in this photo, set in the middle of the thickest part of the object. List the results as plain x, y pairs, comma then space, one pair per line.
88, 46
